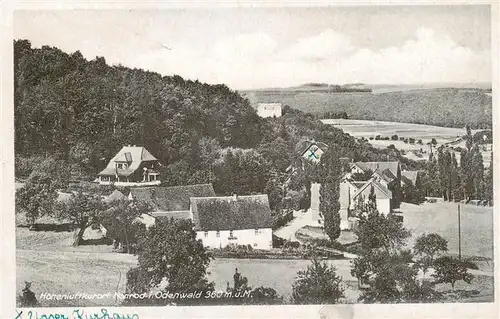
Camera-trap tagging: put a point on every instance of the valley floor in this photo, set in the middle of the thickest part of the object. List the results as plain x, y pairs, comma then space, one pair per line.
47, 259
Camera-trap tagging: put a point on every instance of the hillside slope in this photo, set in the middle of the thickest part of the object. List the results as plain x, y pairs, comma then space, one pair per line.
452, 107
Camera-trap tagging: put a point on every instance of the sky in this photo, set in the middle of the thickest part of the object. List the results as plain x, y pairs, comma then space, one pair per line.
248, 48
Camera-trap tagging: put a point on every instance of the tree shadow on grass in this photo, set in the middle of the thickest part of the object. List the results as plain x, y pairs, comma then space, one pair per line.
96, 241
66, 227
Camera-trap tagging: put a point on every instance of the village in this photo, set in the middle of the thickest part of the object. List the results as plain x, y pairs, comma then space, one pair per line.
239, 227
214, 157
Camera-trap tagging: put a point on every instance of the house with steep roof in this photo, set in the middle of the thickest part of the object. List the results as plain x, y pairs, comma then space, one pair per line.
351, 192
171, 202
312, 151
131, 166
409, 177
233, 220
386, 173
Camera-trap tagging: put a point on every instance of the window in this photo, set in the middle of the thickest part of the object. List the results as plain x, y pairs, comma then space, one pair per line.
257, 231
121, 165
206, 234
218, 234
230, 233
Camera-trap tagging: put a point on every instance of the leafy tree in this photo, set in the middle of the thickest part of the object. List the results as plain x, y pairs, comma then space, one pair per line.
433, 141
364, 176
274, 191
318, 284
82, 210
427, 246
329, 204
170, 254
36, 198
121, 222
377, 230
430, 245
450, 270
394, 137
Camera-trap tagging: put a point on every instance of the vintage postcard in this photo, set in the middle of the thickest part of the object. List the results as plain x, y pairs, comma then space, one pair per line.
330, 157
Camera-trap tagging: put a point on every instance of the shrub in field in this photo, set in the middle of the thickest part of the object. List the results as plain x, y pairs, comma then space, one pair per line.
318, 284
28, 297
36, 198
450, 270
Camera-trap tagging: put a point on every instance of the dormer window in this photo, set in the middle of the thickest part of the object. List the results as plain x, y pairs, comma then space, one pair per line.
121, 165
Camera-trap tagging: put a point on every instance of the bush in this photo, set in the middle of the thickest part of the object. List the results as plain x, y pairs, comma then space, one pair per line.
371, 138
377, 137
412, 140
28, 298
394, 137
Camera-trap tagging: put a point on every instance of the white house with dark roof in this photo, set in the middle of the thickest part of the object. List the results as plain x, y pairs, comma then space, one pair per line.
233, 220
171, 202
131, 166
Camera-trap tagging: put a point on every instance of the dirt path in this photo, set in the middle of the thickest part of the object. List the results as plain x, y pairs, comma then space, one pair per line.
300, 220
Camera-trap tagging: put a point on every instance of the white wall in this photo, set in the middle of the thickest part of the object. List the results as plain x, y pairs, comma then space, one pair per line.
264, 239
384, 205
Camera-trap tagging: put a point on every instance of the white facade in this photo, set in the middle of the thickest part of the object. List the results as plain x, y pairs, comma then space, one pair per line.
257, 238
124, 184
384, 205
269, 109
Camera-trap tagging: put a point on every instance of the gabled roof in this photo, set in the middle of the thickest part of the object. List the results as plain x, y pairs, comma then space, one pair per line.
181, 214
134, 155
410, 175
114, 196
380, 166
228, 213
305, 145
176, 198
381, 192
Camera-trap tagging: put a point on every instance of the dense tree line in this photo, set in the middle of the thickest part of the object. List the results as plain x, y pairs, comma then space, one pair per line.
451, 179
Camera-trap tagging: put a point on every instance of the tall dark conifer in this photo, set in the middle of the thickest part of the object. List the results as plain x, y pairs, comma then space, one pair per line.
329, 206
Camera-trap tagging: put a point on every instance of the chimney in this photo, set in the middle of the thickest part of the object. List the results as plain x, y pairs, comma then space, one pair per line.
235, 197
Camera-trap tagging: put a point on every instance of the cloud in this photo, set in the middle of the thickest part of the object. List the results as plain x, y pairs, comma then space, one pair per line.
256, 60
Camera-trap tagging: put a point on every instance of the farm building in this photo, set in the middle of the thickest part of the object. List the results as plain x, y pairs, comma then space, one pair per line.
171, 202
269, 109
131, 166
233, 220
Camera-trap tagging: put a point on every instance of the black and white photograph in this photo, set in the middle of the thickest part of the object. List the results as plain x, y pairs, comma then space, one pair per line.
253, 156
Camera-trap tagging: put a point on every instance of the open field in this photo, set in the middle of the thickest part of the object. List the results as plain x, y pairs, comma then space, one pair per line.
47, 259
442, 218
443, 135
278, 274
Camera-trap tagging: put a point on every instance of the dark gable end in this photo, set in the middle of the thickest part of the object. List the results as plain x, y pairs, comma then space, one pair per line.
228, 213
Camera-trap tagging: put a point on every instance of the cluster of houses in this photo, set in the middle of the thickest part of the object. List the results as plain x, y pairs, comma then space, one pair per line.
358, 180
220, 221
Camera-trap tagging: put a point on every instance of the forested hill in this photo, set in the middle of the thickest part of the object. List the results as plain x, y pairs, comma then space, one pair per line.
80, 113
65, 104
451, 107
